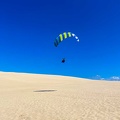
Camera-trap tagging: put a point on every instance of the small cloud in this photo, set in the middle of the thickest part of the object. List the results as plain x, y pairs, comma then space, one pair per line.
114, 78
97, 77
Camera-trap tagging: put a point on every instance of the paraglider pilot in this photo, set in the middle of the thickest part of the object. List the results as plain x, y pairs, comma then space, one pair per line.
63, 60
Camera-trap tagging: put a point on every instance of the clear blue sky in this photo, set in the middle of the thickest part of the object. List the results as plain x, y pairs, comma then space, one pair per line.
28, 29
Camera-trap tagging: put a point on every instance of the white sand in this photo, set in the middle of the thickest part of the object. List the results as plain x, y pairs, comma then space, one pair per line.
65, 98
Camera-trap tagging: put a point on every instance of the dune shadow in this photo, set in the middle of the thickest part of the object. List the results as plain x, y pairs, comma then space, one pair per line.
45, 90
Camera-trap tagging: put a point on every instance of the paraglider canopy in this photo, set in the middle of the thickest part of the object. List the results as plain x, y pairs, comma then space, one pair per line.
59, 39
64, 36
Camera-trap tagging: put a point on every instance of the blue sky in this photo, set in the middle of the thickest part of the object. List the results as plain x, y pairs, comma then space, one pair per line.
28, 30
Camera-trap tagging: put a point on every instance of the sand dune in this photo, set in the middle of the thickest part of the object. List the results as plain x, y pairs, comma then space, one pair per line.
46, 97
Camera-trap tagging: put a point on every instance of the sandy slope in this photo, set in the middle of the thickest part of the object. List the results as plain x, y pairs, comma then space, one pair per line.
42, 97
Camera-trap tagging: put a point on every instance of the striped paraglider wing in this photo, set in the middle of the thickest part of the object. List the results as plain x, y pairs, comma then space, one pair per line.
64, 36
